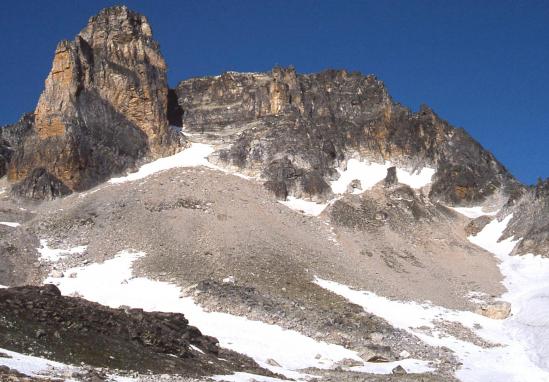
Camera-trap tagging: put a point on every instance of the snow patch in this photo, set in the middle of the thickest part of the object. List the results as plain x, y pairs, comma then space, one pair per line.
195, 348
228, 280
473, 212
306, 207
11, 224
245, 377
111, 283
526, 278
508, 362
42, 367
523, 337
370, 174
53, 255
195, 155
35, 366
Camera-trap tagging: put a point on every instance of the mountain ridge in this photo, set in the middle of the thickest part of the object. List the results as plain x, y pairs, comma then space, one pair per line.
280, 95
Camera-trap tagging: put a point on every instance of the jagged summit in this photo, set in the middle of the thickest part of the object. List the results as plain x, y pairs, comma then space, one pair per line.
106, 104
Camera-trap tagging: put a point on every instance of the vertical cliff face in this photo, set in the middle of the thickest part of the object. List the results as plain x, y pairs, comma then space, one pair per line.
104, 105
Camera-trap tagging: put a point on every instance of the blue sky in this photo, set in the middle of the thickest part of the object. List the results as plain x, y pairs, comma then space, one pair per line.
482, 65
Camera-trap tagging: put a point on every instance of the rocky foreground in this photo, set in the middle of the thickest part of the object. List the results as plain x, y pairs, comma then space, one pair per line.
72, 330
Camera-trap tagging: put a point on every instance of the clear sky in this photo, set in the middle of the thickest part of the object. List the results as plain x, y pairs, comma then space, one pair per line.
482, 65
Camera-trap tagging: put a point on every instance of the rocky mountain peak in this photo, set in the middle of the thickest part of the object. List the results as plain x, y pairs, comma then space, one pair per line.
542, 188
118, 23
104, 105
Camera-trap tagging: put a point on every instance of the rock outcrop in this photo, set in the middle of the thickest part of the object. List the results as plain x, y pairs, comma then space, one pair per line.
73, 330
104, 106
531, 220
12, 137
294, 130
40, 185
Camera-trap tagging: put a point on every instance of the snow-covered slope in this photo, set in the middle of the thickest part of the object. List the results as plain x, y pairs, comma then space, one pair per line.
516, 348
261, 341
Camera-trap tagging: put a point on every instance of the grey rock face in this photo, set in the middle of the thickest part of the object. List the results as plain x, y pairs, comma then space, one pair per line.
11, 137
104, 105
40, 185
296, 129
531, 220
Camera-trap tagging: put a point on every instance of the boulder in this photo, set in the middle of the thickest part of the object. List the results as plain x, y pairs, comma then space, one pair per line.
391, 178
354, 185
399, 370
499, 310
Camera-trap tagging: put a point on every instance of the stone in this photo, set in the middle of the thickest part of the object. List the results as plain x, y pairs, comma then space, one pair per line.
354, 185
476, 225
499, 310
399, 370
404, 354
349, 362
378, 359
391, 177
376, 337
56, 273
272, 362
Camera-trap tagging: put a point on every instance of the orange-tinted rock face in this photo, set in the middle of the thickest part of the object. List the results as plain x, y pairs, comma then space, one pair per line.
55, 102
104, 104
115, 57
131, 75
